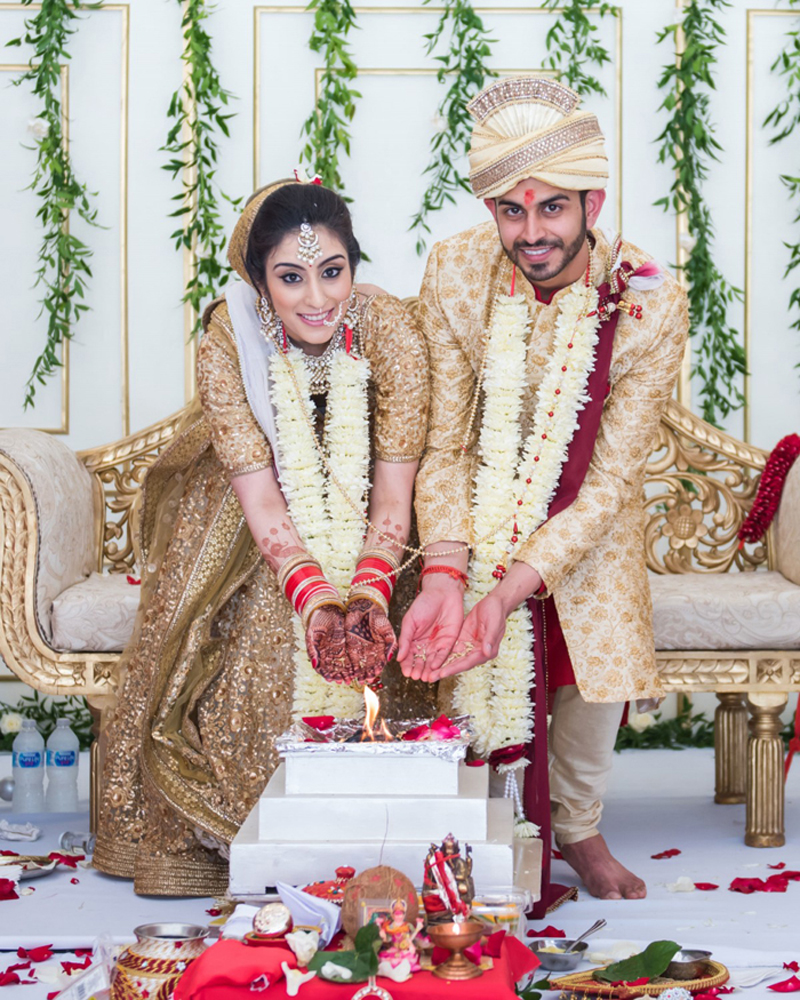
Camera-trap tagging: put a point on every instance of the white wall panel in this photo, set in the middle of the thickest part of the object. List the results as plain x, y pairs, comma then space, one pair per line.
262, 55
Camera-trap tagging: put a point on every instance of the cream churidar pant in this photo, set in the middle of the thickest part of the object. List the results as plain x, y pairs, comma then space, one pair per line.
582, 737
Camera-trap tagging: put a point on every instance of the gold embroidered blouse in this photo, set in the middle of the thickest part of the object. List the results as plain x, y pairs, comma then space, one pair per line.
398, 361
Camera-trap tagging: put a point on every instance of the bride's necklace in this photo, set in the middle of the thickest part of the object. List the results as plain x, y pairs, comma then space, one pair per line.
318, 366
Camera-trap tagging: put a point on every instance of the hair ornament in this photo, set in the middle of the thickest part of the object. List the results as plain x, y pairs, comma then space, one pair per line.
308, 244
302, 177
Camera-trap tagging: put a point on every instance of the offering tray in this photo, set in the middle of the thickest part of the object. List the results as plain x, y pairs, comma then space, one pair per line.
344, 737
583, 983
32, 865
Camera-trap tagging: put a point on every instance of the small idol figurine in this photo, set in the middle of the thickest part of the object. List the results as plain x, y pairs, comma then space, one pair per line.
447, 887
398, 937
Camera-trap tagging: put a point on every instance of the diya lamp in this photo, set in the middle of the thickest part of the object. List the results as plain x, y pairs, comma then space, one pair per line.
456, 937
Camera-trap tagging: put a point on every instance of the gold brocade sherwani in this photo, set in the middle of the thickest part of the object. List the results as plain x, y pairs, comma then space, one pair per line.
208, 675
591, 555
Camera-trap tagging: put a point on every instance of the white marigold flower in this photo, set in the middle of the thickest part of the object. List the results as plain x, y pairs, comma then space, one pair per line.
641, 722
38, 127
10, 722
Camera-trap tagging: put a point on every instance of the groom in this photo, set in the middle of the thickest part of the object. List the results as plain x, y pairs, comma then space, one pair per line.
538, 163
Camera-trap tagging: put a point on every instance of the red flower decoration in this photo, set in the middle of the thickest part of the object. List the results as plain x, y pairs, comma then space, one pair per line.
69, 860
10, 854
769, 492
319, 722
133, 581
9, 979
213, 912
673, 852
547, 932
8, 889
791, 966
778, 867
507, 755
17, 966
705, 886
791, 985
70, 967
81, 952
40, 954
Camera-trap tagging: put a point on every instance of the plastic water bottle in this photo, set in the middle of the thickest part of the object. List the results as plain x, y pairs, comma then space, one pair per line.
62, 769
27, 763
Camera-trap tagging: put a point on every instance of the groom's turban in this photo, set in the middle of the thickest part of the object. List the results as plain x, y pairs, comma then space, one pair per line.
530, 126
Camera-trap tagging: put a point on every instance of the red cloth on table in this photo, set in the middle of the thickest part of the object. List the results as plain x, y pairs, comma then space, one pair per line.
227, 969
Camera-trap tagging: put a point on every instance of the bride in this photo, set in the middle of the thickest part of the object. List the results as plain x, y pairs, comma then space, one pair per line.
268, 560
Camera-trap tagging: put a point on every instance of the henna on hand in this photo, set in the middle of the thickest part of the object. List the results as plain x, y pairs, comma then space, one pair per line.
325, 642
369, 639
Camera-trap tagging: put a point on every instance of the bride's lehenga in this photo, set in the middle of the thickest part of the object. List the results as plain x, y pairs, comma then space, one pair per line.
208, 675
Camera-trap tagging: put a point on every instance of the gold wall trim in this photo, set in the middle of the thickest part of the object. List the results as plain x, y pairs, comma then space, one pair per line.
420, 71
752, 14
189, 253
63, 427
124, 9
684, 386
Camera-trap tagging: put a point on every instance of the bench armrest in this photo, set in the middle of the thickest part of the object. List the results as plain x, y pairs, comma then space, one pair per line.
46, 486
787, 527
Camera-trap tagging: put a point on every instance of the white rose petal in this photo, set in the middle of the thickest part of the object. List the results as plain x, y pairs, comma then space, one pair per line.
332, 971
10, 722
684, 884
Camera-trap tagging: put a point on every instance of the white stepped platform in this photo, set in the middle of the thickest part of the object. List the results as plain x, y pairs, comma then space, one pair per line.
381, 816
335, 773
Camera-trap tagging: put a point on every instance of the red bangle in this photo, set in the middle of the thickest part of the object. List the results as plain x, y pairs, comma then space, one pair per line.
456, 574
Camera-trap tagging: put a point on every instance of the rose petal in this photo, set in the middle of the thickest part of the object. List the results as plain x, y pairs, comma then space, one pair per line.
40, 954
75, 881
70, 967
547, 932
791, 985
8, 889
791, 966
705, 886
70, 860
9, 979
778, 867
673, 852
82, 952
214, 912
493, 944
319, 722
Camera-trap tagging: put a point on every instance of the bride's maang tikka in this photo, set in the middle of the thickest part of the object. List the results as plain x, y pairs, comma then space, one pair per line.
308, 244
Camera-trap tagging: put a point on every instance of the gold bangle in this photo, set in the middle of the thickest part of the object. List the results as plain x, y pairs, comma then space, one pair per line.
293, 563
315, 603
363, 590
390, 557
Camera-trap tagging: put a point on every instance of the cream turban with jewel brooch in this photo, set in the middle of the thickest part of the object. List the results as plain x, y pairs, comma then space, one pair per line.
531, 126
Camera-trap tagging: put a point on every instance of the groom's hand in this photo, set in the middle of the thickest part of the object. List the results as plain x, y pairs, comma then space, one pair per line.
430, 628
479, 638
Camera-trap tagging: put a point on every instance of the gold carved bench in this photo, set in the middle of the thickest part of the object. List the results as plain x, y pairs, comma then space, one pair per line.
68, 542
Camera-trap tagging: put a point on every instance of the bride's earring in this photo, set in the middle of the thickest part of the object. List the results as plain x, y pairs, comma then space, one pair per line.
272, 327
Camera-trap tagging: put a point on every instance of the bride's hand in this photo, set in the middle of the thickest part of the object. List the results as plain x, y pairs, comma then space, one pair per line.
325, 642
369, 638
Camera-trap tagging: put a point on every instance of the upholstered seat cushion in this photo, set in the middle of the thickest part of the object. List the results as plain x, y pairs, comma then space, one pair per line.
733, 610
95, 615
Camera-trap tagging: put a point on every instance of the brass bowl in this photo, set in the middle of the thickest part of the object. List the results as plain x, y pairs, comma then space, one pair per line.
456, 937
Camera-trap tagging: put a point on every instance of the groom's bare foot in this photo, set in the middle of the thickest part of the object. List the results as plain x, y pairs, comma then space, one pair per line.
600, 871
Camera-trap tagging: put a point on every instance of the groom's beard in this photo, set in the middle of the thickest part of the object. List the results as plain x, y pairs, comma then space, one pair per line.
555, 264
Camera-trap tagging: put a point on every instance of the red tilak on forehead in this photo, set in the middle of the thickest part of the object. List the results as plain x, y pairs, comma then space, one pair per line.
529, 196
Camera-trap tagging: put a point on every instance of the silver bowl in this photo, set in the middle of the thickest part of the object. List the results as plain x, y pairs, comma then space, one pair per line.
555, 962
688, 963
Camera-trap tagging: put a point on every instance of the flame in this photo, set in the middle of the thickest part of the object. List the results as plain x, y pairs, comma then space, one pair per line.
372, 709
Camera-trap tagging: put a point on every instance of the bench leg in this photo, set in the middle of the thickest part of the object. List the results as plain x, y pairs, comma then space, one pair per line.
730, 748
765, 785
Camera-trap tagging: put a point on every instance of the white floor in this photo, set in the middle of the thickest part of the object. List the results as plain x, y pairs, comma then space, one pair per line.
658, 800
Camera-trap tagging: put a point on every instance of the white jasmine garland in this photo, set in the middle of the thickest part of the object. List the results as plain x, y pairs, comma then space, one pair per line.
497, 695
328, 526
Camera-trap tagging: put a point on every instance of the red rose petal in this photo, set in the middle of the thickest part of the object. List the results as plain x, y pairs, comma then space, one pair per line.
52, 996
673, 852
40, 954
778, 867
10, 854
19, 965
493, 944
8, 889
70, 860
705, 886
213, 912
558, 855
9, 979
82, 952
476, 763
319, 722
791, 985
70, 967
547, 932
75, 881
791, 966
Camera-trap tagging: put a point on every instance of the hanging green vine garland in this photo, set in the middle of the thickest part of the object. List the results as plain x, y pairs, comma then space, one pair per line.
784, 119
197, 112
63, 257
573, 44
688, 143
328, 125
465, 61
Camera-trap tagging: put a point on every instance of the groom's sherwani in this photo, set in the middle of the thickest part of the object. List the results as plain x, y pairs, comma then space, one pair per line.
591, 555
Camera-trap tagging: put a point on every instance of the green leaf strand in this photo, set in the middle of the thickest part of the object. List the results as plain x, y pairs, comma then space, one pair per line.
573, 45
327, 128
198, 110
465, 62
63, 270
783, 120
688, 143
